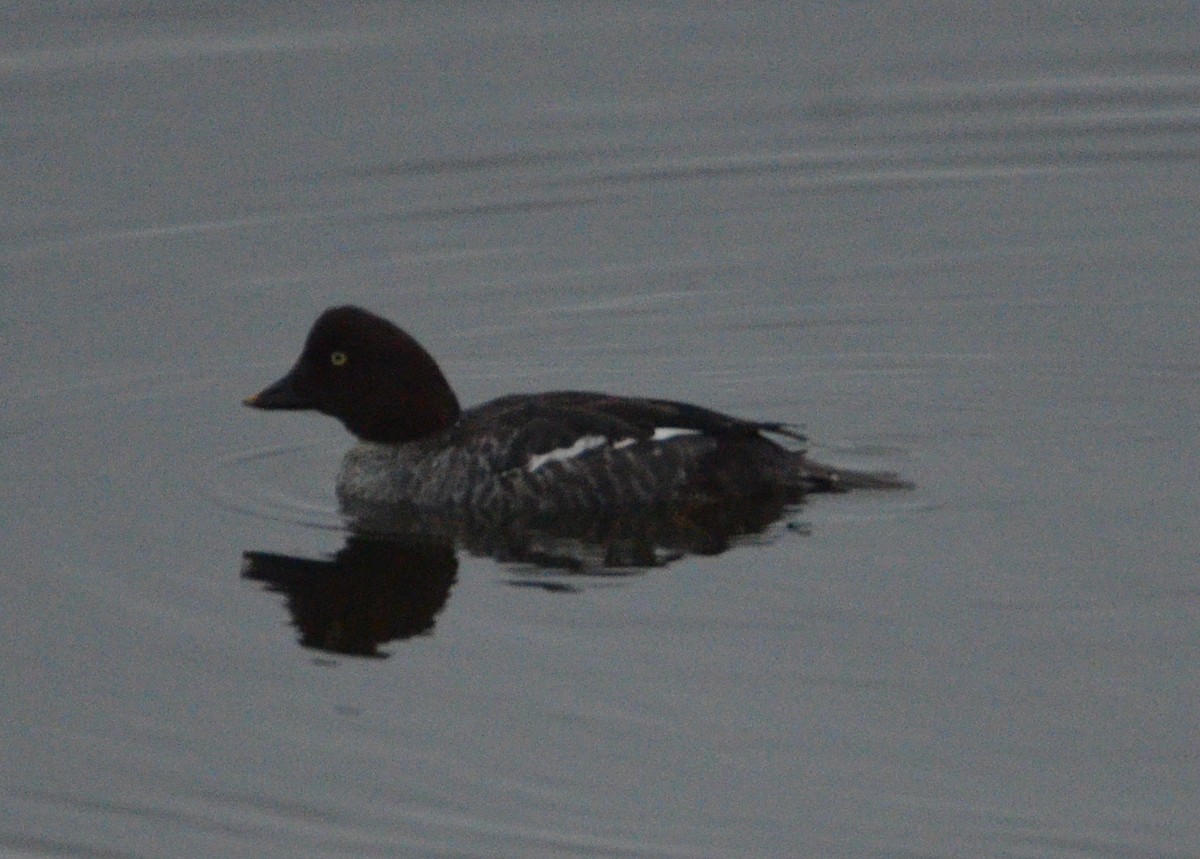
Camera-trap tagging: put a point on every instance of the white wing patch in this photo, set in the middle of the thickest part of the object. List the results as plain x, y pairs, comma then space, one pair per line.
581, 445
660, 434
664, 433
590, 442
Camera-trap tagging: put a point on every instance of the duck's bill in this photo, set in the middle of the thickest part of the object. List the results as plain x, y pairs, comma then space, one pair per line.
281, 395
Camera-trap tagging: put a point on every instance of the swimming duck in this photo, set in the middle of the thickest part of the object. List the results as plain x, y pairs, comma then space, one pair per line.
525, 456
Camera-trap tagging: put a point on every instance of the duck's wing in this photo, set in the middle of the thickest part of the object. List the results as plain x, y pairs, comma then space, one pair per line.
527, 430
652, 415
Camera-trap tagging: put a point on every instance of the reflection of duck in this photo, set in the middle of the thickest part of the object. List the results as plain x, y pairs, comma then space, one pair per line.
371, 592
602, 544
394, 574
530, 458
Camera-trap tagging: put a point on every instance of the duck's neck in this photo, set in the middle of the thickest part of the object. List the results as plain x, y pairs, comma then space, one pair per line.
429, 408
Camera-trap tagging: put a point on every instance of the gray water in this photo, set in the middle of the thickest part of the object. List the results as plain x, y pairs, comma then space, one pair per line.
955, 241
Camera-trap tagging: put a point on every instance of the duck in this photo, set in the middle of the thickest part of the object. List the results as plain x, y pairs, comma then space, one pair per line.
522, 457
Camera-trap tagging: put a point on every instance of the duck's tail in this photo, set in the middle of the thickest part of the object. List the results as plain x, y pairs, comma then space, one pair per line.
816, 477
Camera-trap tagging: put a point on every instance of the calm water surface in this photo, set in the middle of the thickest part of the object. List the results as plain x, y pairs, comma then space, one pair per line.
956, 242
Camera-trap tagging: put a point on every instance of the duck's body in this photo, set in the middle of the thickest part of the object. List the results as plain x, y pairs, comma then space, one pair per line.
528, 456
555, 453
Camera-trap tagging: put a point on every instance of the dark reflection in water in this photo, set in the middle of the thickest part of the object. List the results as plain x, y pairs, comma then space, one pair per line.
620, 543
394, 574
371, 592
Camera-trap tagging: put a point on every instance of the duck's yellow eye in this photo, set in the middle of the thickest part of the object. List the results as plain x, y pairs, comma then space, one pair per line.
338, 359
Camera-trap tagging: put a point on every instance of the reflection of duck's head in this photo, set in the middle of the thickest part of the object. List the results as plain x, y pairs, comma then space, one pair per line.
529, 456
371, 592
